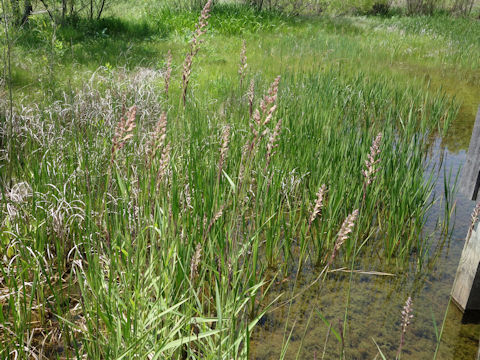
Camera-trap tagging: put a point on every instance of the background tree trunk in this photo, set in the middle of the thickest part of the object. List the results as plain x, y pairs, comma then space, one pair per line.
27, 10
64, 9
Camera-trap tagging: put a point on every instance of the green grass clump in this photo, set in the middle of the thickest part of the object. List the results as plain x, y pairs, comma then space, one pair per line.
226, 20
137, 226
133, 242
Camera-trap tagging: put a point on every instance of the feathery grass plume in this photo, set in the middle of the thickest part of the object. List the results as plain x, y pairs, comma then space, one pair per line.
475, 215
168, 72
268, 107
243, 62
187, 198
200, 29
223, 149
195, 262
272, 143
345, 230
370, 164
164, 163
123, 131
318, 205
256, 125
270, 99
157, 141
215, 218
371, 167
251, 97
406, 317
271, 96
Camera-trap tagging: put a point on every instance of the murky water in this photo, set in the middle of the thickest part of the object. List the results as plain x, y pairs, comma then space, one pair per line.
309, 323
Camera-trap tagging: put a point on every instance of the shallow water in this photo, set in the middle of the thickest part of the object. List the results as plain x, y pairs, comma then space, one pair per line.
374, 313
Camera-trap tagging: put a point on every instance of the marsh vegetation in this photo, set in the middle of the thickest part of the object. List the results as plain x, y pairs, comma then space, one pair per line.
174, 176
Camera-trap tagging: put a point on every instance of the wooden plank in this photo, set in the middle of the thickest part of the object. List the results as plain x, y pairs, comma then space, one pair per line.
478, 352
466, 287
470, 179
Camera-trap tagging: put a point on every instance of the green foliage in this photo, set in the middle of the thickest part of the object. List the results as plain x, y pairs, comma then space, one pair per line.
131, 261
225, 20
349, 6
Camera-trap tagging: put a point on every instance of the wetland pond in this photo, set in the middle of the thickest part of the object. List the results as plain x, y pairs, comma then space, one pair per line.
376, 300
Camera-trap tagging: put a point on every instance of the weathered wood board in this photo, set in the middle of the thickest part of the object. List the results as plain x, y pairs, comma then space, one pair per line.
478, 353
470, 178
466, 288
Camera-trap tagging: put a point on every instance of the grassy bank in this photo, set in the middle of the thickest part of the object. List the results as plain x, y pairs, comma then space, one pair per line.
139, 222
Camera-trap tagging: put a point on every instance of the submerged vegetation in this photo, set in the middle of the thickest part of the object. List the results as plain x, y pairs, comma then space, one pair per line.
156, 185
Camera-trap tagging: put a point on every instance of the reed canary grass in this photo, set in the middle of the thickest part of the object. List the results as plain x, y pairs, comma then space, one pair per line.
214, 219
157, 140
343, 234
317, 209
164, 164
223, 149
123, 131
135, 252
271, 145
168, 72
407, 316
200, 30
195, 262
251, 97
243, 62
371, 163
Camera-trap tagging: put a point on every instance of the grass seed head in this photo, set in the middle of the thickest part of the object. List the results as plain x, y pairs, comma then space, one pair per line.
370, 164
272, 142
157, 140
197, 256
406, 314
200, 29
251, 97
406, 318
168, 72
223, 149
164, 163
271, 96
215, 218
343, 234
243, 62
318, 204
124, 131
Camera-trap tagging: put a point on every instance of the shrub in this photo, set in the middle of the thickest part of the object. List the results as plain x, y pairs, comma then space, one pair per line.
381, 8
